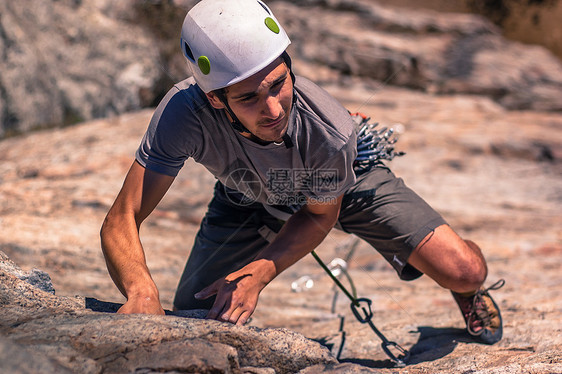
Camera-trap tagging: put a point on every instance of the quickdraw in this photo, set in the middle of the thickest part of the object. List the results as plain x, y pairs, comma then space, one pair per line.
361, 308
373, 145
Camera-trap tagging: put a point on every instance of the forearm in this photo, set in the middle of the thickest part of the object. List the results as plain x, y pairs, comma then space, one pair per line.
237, 293
121, 245
125, 257
302, 233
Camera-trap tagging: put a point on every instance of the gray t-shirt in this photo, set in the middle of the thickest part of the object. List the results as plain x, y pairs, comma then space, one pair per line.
319, 165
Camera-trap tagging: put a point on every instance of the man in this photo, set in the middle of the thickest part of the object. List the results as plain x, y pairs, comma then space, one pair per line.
282, 150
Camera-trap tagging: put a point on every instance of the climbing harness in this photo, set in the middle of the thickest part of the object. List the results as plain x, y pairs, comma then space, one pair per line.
361, 308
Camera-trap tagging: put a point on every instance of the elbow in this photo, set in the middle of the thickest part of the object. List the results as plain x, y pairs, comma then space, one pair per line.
327, 217
327, 221
105, 227
111, 224
118, 223
332, 222
105, 231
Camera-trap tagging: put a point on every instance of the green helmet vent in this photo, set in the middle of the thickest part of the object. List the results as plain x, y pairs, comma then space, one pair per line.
272, 25
204, 64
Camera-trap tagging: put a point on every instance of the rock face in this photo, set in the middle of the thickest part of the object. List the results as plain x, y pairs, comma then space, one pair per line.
68, 61
51, 334
434, 52
65, 61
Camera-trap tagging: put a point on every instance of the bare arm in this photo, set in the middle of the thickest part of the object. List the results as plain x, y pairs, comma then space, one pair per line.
141, 192
237, 293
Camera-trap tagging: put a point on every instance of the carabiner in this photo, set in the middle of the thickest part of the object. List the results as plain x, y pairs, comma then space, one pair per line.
368, 314
367, 318
400, 362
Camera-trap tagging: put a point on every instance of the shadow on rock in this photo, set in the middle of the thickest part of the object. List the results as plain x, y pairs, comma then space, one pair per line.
110, 307
435, 343
374, 364
102, 306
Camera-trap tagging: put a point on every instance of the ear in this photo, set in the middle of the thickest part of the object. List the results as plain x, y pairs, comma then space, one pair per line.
214, 100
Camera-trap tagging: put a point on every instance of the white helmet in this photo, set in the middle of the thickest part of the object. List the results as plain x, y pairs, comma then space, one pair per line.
227, 41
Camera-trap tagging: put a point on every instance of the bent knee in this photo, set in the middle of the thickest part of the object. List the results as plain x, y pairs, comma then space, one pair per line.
452, 262
468, 278
470, 271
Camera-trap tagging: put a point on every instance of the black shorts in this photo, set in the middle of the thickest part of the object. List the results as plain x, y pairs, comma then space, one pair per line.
388, 215
379, 209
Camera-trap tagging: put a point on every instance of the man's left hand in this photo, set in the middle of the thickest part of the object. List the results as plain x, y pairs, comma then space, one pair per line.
236, 294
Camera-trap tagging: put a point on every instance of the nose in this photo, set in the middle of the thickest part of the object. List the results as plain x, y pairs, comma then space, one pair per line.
272, 107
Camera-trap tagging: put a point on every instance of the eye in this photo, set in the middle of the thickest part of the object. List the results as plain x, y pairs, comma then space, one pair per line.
279, 84
248, 99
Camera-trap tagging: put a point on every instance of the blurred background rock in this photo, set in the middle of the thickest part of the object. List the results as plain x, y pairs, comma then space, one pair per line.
63, 62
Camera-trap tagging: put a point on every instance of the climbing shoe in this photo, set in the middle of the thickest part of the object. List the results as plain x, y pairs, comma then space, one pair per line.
482, 314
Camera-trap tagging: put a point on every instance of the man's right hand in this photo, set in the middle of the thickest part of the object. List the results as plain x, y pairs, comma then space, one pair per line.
141, 305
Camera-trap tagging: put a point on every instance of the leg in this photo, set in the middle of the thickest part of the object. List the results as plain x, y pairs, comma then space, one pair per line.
394, 220
414, 239
453, 263
459, 265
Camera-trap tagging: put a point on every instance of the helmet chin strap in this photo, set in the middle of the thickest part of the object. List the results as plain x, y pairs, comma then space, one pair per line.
235, 122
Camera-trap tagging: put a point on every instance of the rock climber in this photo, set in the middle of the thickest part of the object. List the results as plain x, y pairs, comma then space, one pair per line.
283, 151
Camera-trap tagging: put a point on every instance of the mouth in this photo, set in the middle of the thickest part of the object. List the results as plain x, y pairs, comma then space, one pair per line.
270, 124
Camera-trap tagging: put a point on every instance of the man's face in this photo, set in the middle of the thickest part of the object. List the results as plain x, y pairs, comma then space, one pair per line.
262, 102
